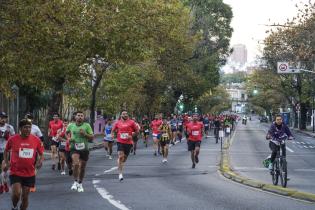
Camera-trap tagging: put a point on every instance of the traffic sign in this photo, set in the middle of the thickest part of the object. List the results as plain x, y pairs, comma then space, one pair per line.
285, 68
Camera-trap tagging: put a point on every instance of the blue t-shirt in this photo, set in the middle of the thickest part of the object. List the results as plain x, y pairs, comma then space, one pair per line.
108, 130
173, 123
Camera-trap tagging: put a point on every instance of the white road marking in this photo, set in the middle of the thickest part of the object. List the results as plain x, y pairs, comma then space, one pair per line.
298, 142
302, 142
312, 147
110, 170
305, 146
105, 194
289, 149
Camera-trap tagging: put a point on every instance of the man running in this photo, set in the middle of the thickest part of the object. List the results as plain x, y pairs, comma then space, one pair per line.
195, 132
166, 134
206, 123
23, 149
125, 129
54, 125
180, 128
108, 138
81, 133
135, 138
174, 128
145, 126
36, 132
6, 131
62, 138
155, 124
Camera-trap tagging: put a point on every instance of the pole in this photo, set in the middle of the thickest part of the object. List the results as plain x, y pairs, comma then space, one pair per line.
313, 117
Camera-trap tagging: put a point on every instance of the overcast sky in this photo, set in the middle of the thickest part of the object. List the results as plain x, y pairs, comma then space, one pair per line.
251, 15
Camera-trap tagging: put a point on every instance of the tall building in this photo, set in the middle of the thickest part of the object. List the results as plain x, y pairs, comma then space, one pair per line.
239, 54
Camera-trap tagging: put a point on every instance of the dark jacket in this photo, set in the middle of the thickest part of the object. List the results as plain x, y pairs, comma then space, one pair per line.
279, 134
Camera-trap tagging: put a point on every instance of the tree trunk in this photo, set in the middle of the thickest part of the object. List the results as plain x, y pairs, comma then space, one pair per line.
93, 99
303, 116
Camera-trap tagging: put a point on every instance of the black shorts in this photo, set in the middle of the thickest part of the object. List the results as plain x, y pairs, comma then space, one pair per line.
206, 128
193, 144
25, 181
165, 142
84, 154
68, 157
124, 147
54, 143
1, 159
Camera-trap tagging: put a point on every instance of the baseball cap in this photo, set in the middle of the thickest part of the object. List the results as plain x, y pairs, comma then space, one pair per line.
3, 114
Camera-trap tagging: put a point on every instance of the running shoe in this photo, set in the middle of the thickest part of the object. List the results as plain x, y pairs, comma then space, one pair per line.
80, 188
74, 186
120, 177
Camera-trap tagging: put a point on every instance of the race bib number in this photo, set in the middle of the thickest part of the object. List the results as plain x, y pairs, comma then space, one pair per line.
124, 135
147, 130
207, 125
63, 143
79, 146
109, 135
165, 135
26, 153
195, 133
180, 123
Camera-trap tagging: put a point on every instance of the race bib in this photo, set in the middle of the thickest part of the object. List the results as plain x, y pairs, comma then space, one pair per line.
165, 135
195, 133
124, 135
26, 153
54, 139
179, 123
63, 143
109, 135
79, 146
147, 130
206, 124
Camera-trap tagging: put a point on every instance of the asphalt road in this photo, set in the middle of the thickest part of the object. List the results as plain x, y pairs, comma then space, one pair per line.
151, 185
249, 144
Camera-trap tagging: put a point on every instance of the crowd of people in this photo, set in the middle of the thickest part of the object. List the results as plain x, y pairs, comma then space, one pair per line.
21, 154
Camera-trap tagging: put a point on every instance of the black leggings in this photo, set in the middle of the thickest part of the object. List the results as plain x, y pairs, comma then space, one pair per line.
274, 148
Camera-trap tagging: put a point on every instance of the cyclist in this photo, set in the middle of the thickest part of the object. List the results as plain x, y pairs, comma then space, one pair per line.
277, 134
6, 131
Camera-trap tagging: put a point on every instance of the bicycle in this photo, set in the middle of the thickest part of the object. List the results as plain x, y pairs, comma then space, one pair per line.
280, 168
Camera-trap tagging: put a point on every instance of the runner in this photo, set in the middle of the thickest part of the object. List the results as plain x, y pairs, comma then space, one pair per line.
135, 138
206, 123
180, 128
195, 132
36, 132
145, 126
6, 131
81, 133
166, 134
23, 149
174, 126
155, 124
125, 129
54, 126
62, 138
108, 139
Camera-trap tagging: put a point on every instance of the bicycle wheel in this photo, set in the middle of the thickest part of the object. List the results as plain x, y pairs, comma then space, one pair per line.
275, 173
283, 173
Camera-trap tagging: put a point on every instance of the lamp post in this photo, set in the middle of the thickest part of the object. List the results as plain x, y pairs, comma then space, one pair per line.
16, 91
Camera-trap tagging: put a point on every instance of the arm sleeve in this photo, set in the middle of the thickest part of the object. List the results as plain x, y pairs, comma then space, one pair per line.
12, 132
89, 130
40, 148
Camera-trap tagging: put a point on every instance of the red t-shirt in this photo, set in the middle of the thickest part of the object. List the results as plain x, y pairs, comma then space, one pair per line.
23, 154
54, 127
155, 124
124, 129
195, 131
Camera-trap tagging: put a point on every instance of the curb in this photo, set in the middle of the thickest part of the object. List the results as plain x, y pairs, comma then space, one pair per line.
229, 173
305, 132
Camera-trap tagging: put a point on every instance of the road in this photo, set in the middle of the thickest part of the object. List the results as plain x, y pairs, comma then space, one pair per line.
249, 144
151, 185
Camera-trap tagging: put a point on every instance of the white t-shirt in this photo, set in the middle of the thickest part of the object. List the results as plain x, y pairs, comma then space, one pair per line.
36, 131
3, 130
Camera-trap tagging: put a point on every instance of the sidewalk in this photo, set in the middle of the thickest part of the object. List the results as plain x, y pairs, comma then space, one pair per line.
306, 132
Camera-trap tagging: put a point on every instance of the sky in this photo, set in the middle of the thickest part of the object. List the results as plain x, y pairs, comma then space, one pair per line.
250, 16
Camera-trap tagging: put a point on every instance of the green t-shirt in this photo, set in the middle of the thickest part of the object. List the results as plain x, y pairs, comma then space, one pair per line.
79, 142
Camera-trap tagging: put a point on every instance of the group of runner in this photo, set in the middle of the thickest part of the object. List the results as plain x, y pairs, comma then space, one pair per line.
22, 153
